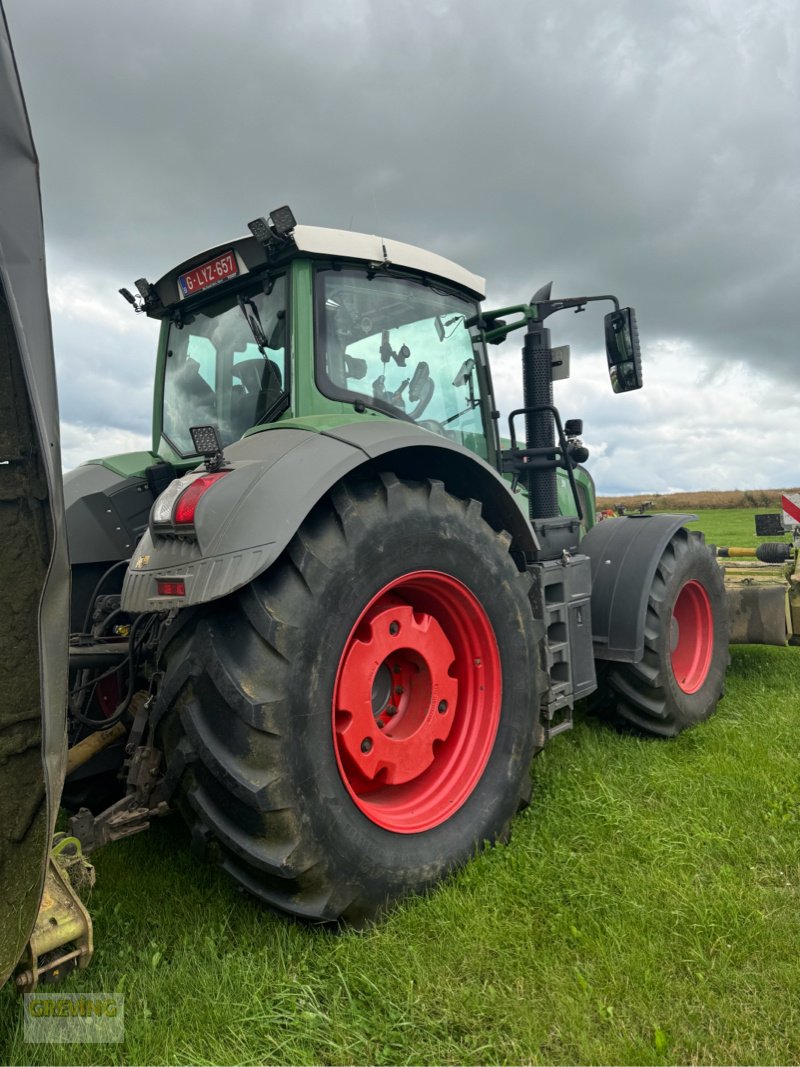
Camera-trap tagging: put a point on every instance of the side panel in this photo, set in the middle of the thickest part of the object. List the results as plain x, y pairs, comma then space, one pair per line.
126, 464
624, 554
34, 574
106, 513
248, 517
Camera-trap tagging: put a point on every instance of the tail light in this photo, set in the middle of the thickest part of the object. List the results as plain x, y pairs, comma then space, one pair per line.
186, 504
171, 587
176, 506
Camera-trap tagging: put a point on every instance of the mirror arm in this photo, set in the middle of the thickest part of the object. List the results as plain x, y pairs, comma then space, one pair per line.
493, 329
548, 307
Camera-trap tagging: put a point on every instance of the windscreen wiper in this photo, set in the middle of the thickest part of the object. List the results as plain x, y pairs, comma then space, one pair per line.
253, 319
254, 322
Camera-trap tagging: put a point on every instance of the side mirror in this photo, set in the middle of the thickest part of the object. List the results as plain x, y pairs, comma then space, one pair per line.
622, 350
464, 373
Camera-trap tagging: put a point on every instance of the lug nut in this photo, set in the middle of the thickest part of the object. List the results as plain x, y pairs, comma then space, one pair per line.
391, 711
442, 707
394, 628
399, 690
366, 744
381, 724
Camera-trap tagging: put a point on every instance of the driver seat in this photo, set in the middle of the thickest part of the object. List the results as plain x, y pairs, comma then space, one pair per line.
262, 384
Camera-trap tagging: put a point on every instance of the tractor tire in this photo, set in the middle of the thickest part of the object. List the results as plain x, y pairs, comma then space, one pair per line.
361, 719
681, 678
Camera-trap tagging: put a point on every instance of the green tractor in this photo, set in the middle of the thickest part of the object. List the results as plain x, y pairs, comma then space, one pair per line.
332, 615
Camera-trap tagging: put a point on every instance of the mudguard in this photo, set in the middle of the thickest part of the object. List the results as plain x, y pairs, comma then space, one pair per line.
624, 554
248, 518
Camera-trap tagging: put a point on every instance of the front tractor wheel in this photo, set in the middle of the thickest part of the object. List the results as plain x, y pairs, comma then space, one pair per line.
360, 720
681, 678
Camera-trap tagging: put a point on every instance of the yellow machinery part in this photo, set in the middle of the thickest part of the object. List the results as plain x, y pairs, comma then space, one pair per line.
62, 938
757, 613
91, 745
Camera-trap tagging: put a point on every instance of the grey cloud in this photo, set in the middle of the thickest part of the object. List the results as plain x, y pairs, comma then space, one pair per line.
650, 150
107, 381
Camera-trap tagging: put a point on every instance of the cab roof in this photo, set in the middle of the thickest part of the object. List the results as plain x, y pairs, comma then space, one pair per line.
349, 245
252, 255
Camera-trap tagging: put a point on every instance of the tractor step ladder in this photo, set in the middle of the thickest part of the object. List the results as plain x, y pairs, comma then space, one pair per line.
561, 594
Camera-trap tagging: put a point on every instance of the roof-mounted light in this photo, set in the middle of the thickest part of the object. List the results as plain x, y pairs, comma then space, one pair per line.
260, 230
279, 228
283, 221
136, 302
147, 300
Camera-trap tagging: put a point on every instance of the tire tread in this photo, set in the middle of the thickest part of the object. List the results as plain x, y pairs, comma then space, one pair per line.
640, 695
227, 675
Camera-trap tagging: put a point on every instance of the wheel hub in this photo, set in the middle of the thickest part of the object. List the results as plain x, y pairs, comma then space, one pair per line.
381, 690
404, 729
417, 702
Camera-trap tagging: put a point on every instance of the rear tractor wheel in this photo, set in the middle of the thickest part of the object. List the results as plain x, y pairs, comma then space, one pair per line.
681, 678
360, 720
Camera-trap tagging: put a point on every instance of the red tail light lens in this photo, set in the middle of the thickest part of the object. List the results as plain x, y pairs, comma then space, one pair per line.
170, 588
186, 504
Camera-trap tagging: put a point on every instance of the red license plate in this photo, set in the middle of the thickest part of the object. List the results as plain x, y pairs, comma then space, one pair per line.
208, 274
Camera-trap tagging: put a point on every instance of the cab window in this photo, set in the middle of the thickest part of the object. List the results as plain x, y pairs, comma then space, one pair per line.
215, 371
400, 346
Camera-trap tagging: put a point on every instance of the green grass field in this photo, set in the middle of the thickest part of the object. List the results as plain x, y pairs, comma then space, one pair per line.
646, 911
731, 526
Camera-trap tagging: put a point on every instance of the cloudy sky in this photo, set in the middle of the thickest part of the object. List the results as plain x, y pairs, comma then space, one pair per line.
649, 148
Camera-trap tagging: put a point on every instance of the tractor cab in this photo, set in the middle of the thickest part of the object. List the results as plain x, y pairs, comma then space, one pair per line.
303, 322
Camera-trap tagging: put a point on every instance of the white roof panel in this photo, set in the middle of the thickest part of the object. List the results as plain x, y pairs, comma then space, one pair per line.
319, 240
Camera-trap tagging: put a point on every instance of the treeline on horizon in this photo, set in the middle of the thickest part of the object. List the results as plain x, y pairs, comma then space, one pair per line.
711, 498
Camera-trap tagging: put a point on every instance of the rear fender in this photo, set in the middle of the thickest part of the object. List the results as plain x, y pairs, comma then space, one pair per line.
624, 554
247, 519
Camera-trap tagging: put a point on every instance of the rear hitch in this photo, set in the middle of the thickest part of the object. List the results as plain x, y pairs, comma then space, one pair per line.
148, 792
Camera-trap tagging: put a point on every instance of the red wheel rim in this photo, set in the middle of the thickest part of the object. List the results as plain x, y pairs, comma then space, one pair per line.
692, 637
416, 704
